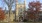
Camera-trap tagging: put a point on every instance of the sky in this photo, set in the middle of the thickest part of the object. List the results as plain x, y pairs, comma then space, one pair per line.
3, 4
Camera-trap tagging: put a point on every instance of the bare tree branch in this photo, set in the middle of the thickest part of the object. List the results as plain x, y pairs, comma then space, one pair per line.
6, 2
12, 1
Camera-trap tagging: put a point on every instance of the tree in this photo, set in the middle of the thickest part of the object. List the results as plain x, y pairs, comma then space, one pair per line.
34, 8
9, 3
2, 15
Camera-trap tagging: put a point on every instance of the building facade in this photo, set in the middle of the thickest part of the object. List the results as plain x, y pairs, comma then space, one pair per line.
19, 10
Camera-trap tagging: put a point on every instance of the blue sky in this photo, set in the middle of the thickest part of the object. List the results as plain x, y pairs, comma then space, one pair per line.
3, 5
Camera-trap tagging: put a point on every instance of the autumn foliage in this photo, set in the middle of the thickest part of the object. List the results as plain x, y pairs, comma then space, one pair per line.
33, 5
2, 14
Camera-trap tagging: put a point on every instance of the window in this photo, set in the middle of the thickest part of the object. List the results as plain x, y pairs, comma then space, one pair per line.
20, 9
